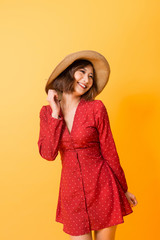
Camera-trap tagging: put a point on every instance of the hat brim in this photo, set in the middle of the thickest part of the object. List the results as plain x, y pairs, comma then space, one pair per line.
101, 66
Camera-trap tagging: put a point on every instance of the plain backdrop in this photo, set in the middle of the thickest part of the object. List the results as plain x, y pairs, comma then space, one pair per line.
35, 36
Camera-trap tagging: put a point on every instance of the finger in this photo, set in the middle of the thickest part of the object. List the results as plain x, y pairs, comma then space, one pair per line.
134, 203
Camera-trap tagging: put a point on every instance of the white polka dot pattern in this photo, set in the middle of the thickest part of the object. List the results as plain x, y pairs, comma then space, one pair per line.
92, 185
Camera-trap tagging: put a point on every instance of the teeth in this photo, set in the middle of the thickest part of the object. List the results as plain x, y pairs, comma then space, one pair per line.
82, 85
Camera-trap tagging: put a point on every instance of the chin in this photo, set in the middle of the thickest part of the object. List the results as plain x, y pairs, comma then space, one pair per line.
79, 92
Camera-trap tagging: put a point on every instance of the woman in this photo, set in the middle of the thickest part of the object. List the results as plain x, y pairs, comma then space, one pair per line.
93, 192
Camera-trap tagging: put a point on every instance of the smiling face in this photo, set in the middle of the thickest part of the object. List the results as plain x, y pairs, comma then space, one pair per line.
83, 79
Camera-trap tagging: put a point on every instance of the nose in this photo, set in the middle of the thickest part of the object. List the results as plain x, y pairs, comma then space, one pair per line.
86, 78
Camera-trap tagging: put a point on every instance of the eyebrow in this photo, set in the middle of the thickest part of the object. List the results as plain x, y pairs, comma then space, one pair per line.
86, 69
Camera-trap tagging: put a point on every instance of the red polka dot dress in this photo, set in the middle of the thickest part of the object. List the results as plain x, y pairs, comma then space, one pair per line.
93, 184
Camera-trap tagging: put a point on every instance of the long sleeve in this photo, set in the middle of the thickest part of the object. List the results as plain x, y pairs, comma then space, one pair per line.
49, 134
107, 144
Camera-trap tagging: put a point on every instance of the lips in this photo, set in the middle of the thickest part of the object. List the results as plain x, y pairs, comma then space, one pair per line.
81, 85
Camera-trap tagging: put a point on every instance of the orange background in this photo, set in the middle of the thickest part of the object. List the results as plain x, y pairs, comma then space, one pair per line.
35, 36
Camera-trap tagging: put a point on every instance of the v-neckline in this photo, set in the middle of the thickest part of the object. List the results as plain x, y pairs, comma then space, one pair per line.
70, 132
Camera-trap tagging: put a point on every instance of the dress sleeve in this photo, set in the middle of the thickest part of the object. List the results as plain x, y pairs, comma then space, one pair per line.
107, 144
49, 134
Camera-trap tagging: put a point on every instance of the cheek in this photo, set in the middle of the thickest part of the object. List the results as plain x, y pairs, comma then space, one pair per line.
77, 75
91, 83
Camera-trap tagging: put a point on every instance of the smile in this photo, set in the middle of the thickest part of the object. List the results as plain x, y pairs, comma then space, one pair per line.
83, 86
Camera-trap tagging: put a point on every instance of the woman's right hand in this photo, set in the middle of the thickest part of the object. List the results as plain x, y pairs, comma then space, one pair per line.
52, 98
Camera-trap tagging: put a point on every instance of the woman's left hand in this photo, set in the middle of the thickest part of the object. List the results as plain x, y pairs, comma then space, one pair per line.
131, 198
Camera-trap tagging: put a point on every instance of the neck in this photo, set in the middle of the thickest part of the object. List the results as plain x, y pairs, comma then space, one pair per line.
69, 100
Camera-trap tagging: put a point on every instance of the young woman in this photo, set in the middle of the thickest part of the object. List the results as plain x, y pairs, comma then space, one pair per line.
93, 193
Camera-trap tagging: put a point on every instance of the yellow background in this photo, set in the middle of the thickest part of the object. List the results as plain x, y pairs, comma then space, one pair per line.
35, 36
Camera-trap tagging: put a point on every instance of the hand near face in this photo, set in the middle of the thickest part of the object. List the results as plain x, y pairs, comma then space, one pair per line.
52, 98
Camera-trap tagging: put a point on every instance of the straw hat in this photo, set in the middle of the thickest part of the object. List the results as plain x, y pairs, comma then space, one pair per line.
101, 66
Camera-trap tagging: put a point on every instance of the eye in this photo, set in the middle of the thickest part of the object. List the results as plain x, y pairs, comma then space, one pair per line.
82, 71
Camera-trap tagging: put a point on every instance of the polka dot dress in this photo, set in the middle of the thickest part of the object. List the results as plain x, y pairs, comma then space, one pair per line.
93, 184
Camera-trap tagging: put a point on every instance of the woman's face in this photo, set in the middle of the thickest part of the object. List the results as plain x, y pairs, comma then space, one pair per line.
83, 79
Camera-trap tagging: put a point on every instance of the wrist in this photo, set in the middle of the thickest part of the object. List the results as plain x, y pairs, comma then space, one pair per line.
55, 115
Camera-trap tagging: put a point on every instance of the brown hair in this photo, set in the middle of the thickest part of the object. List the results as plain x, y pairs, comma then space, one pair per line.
64, 82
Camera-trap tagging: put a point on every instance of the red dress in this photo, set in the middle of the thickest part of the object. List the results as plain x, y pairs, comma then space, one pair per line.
93, 184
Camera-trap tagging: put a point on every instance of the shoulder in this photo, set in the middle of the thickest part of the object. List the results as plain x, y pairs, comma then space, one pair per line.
98, 103
99, 106
100, 110
94, 103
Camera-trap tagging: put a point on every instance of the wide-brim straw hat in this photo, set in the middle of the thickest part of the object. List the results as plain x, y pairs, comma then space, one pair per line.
101, 66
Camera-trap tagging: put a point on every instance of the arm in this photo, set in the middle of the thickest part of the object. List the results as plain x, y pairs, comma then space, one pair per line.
107, 144
49, 134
